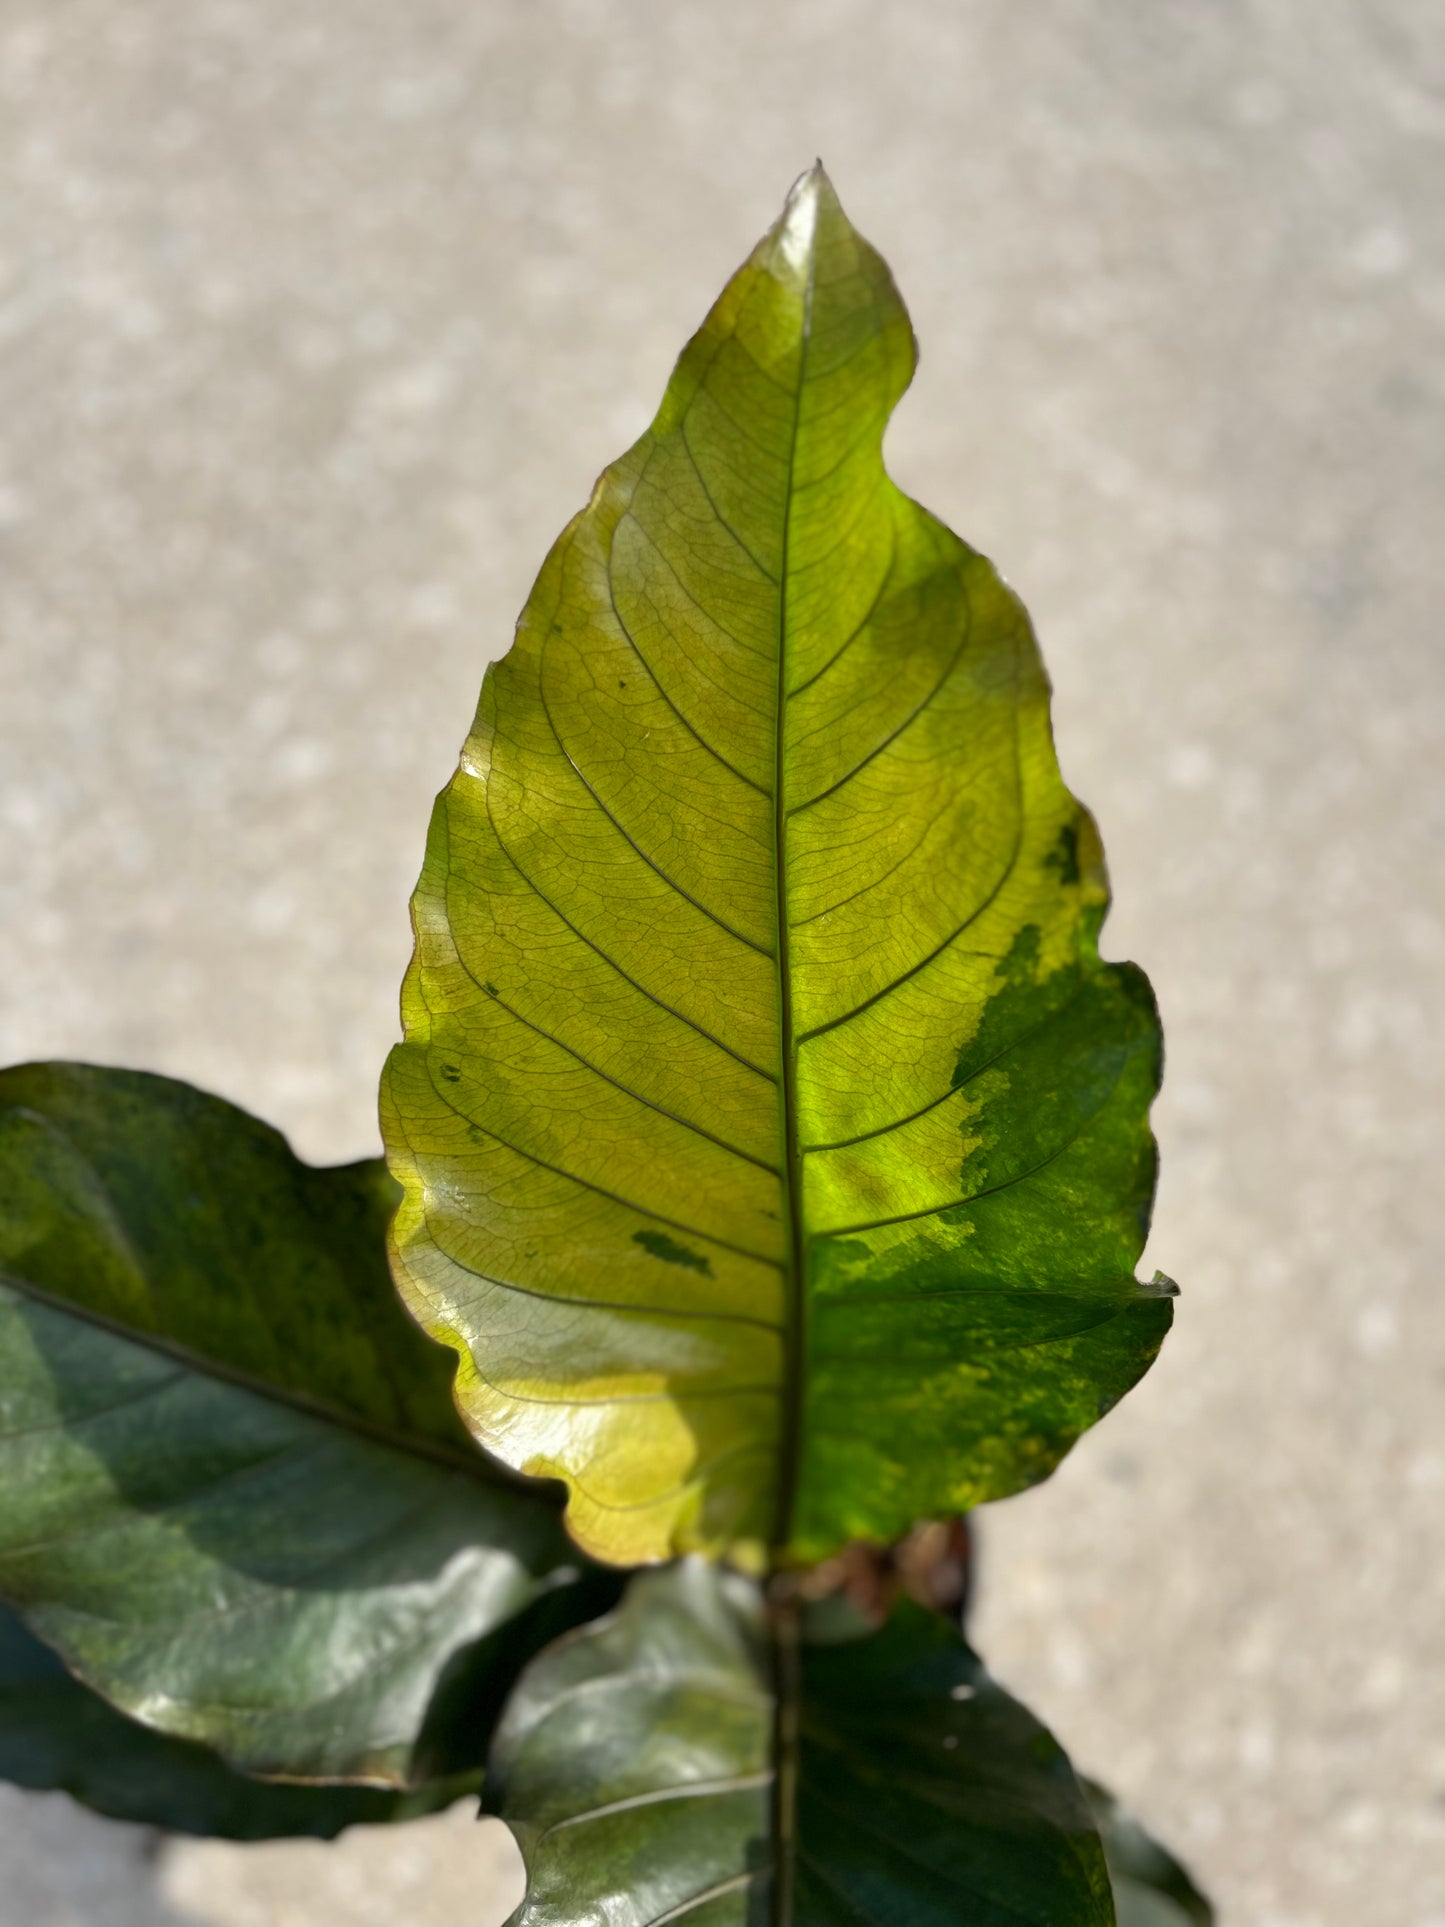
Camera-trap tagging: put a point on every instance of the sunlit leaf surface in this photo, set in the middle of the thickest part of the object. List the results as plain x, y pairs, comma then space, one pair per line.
774, 1141
647, 1772
233, 1491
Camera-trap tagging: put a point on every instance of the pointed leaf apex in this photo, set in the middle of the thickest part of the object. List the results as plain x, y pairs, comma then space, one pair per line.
799, 219
812, 205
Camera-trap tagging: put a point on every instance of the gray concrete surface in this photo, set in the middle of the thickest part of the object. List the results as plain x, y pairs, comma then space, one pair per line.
317, 322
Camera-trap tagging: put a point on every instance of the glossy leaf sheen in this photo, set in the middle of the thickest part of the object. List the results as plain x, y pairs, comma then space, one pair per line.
233, 1491
57, 1734
774, 1141
636, 1766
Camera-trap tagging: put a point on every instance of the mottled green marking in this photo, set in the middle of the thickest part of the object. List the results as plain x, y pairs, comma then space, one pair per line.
672, 1253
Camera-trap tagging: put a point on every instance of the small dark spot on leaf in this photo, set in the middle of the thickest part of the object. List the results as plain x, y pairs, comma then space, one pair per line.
1064, 857
491, 990
671, 1252
452, 1073
622, 682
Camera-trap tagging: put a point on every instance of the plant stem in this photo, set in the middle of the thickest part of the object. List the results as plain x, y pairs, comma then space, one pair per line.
784, 1617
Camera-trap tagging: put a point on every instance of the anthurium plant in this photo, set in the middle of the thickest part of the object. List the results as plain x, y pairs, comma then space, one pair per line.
769, 1163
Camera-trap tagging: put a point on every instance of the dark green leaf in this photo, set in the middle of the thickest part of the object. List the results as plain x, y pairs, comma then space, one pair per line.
233, 1492
774, 1140
1151, 1888
56, 1733
650, 1772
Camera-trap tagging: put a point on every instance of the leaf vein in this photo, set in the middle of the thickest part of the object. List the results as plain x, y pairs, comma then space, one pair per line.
718, 516
657, 680
597, 950
616, 1083
594, 1304
1013, 1044
587, 1184
866, 619
908, 721
989, 1191
626, 836
949, 802
662, 1796
888, 989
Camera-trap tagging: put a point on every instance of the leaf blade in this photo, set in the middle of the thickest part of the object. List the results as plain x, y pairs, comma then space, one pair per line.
635, 1765
756, 979
55, 1734
236, 1496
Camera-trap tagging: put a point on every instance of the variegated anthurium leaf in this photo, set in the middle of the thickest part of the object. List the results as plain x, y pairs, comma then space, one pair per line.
234, 1494
652, 1771
57, 1734
774, 1140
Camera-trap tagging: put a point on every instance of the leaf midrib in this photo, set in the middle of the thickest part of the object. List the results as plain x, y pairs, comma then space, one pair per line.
204, 1365
791, 1161
785, 1729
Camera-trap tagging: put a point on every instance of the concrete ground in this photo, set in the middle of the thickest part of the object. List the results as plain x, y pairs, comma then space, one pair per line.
317, 322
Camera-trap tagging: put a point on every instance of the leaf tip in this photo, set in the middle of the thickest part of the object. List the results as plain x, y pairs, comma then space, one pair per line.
799, 220
811, 207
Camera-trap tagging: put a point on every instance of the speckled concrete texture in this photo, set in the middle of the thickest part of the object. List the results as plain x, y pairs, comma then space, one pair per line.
316, 322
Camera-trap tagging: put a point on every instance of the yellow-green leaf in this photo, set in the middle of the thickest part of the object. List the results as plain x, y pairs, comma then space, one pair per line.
774, 1141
